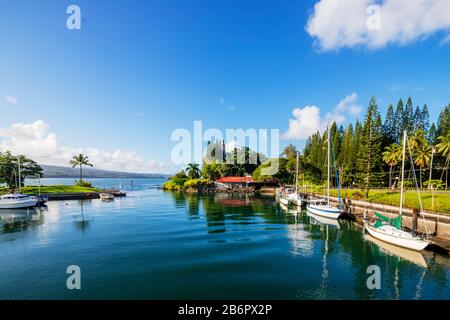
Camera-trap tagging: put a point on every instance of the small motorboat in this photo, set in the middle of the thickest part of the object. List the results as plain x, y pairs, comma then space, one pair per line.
17, 201
106, 196
42, 199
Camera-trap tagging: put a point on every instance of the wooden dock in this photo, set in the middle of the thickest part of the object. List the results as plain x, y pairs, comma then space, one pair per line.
82, 195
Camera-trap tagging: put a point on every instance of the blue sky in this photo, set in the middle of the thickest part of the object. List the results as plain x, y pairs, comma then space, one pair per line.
137, 70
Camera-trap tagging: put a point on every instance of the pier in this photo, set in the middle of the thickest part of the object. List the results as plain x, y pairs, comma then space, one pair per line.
435, 224
83, 195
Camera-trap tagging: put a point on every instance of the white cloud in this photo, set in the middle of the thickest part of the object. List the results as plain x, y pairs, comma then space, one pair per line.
11, 100
35, 141
336, 24
349, 105
445, 40
307, 120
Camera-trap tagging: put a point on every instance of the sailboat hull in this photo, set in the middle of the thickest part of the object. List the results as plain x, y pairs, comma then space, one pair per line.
324, 211
18, 204
398, 237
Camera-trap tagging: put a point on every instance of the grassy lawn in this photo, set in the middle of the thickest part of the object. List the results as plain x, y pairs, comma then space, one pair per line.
441, 200
53, 189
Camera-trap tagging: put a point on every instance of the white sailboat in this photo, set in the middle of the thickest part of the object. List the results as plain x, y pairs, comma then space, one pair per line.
289, 196
294, 197
17, 200
320, 207
284, 200
390, 230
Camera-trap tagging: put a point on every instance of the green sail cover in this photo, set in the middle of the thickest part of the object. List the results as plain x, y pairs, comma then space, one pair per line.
396, 222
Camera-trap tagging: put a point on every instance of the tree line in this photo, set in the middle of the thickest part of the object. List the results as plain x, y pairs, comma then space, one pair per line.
368, 153
14, 169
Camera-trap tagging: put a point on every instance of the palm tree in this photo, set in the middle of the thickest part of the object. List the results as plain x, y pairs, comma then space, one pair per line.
80, 160
423, 156
391, 156
193, 170
417, 139
443, 147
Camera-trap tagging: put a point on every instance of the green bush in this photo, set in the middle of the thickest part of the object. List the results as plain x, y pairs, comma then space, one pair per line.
181, 184
195, 183
439, 184
82, 183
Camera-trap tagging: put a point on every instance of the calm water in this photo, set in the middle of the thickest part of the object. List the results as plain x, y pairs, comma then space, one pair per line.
161, 245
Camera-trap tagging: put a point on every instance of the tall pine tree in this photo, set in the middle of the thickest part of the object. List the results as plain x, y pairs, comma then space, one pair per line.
432, 134
425, 118
408, 117
443, 124
369, 154
398, 123
389, 126
417, 123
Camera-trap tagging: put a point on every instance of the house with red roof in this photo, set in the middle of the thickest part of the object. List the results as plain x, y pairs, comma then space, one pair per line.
242, 182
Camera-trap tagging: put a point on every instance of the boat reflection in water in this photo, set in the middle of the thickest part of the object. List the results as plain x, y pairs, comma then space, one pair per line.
14, 220
316, 219
298, 234
406, 254
290, 209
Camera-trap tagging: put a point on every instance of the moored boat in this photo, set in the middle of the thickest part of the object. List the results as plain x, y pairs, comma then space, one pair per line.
17, 201
322, 207
284, 200
390, 229
106, 196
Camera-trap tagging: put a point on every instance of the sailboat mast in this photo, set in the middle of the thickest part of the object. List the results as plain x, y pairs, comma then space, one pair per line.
328, 167
296, 176
18, 164
403, 172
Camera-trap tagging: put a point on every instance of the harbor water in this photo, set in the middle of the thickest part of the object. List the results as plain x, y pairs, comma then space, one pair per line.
166, 245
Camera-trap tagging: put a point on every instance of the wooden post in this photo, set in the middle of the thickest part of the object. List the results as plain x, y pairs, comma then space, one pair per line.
415, 214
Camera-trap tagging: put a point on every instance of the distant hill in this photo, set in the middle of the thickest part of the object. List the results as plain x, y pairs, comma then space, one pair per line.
68, 172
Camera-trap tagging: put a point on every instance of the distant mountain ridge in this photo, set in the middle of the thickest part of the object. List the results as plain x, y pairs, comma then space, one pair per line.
68, 172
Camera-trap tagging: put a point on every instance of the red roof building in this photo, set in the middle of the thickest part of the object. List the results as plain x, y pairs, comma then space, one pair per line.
247, 179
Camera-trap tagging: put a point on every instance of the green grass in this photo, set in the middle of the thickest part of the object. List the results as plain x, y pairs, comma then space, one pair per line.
441, 200
53, 189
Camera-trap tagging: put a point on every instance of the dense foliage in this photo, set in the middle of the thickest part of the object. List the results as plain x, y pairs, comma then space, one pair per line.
368, 154
9, 169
